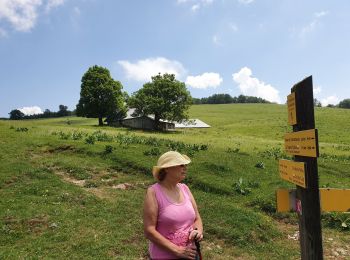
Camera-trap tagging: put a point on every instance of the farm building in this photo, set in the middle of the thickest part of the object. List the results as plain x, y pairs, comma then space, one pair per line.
148, 123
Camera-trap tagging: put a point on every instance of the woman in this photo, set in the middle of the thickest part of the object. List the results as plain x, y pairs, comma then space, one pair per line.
171, 219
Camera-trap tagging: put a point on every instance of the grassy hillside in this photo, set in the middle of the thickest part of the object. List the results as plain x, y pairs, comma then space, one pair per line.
60, 179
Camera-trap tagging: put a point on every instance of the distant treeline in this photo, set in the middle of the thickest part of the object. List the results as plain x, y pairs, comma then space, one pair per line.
16, 114
227, 99
342, 104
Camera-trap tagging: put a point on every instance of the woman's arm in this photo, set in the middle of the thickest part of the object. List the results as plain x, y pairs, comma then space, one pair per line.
197, 233
150, 215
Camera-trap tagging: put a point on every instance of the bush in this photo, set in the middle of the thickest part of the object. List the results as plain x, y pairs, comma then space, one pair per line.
108, 149
260, 165
337, 220
153, 152
22, 129
90, 139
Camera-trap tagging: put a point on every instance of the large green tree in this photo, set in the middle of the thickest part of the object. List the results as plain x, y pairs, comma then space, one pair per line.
164, 97
16, 114
100, 94
345, 103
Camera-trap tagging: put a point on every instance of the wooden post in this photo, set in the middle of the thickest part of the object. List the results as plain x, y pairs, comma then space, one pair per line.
309, 211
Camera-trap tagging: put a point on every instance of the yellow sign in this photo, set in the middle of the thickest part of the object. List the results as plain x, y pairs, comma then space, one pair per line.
292, 111
302, 143
330, 200
335, 200
283, 200
293, 172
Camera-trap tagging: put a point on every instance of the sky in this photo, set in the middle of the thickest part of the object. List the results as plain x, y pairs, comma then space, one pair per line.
251, 47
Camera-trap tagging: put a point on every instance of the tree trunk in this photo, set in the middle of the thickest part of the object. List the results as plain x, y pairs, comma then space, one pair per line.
100, 121
156, 122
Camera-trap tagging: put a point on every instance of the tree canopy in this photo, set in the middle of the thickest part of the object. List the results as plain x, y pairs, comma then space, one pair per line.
100, 94
345, 103
227, 99
16, 114
164, 97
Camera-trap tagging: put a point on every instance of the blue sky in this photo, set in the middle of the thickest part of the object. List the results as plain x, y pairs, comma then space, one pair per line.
251, 47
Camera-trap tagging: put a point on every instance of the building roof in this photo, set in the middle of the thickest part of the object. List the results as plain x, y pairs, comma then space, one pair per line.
191, 123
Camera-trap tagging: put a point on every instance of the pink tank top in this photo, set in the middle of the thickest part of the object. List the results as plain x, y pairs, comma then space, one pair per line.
175, 220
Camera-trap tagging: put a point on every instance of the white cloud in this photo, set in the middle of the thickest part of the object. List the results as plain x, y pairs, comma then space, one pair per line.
22, 14
250, 86
320, 14
31, 110
246, 2
233, 27
206, 80
309, 28
52, 4
195, 7
317, 90
196, 4
216, 40
143, 70
330, 100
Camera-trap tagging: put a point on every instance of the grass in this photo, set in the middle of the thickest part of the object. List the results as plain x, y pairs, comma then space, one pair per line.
60, 199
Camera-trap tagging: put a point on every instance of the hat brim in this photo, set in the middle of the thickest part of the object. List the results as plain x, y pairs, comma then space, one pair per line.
156, 169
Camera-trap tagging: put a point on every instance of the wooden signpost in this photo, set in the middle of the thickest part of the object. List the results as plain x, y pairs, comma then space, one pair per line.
303, 144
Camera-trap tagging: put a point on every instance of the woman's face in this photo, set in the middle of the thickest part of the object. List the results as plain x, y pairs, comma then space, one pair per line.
177, 173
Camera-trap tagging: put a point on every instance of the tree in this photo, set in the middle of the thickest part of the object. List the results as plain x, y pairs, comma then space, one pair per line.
165, 97
16, 114
100, 94
345, 103
317, 103
62, 111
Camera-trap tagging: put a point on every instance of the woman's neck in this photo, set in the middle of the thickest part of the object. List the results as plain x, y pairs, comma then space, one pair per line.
169, 185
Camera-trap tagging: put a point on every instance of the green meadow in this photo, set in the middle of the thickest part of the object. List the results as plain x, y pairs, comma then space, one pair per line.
72, 190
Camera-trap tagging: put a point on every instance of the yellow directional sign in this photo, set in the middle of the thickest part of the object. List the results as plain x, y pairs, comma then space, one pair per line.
292, 111
303, 143
330, 200
293, 172
285, 200
335, 199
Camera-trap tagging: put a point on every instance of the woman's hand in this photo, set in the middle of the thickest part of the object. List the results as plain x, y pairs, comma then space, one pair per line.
195, 235
188, 252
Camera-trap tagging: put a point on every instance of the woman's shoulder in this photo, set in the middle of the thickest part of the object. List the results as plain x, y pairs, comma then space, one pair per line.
184, 187
153, 188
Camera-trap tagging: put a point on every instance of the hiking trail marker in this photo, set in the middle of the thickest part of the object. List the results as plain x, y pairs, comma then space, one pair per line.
303, 143
302, 171
292, 110
293, 172
332, 200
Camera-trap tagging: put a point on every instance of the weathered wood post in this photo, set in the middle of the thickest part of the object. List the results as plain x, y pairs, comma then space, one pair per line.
308, 199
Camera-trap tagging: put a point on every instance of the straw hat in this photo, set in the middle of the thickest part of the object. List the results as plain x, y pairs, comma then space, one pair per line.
170, 159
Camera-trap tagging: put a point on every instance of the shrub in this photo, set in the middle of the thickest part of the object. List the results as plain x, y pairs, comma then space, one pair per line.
63, 135
22, 129
337, 220
77, 135
260, 165
232, 150
108, 149
90, 139
153, 152
241, 188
